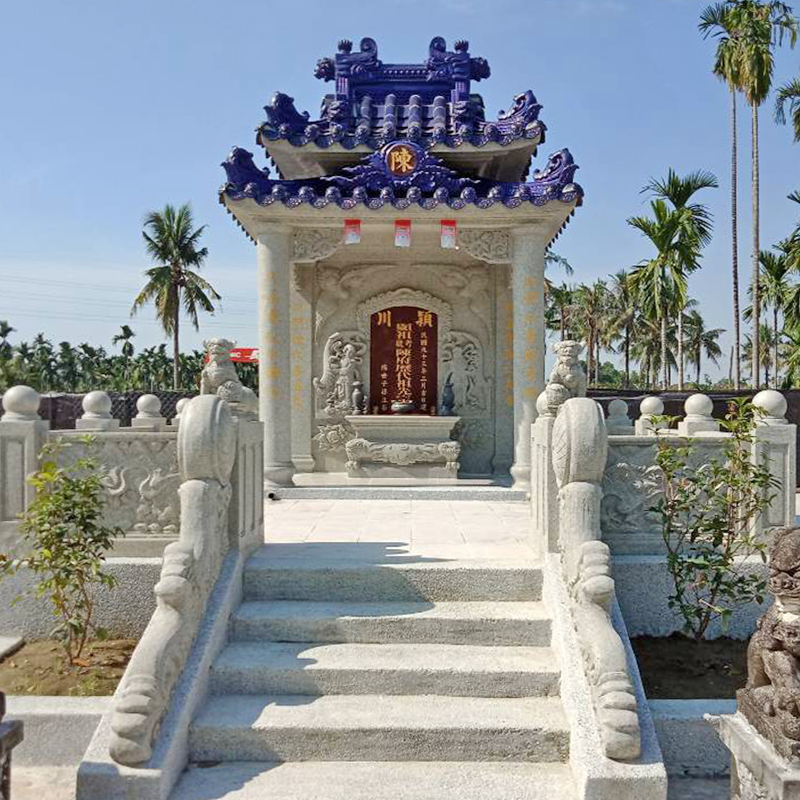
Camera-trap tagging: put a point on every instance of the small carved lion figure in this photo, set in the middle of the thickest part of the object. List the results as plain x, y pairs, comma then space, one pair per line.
220, 368
567, 378
771, 699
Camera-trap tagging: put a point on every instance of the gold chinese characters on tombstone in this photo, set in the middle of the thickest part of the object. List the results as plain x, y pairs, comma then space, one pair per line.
401, 160
403, 361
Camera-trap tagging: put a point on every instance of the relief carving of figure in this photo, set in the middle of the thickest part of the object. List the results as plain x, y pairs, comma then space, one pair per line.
343, 355
771, 698
335, 287
463, 358
567, 378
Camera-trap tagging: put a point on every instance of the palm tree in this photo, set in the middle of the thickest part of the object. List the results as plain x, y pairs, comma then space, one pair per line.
561, 302
789, 94
625, 306
5, 331
172, 242
766, 337
716, 21
695, 231
758, 27
701, 340
125, 335
591, 303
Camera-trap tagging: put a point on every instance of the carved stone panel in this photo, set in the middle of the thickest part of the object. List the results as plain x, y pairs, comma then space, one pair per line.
493, 246
313, 244
462, 361
343, 366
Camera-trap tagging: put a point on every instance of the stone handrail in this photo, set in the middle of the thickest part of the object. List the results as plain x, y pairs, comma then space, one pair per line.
579, 450
207, 448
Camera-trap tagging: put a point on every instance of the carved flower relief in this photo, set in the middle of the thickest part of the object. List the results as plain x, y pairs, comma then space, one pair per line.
330, 438
462, 360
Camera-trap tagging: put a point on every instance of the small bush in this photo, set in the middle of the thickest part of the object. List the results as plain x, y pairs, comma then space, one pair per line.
67, 541
708, 515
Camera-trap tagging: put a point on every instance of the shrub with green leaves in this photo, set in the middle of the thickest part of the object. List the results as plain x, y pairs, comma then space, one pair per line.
708, 517
65, 541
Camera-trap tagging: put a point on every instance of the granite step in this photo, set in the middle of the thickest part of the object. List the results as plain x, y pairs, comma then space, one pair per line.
489, 623
379, 728
269, 578
385, 669
360, 780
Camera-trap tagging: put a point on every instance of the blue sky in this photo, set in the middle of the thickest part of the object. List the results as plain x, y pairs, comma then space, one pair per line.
112, 109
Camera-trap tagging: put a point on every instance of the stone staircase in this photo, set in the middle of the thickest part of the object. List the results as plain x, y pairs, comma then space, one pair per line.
413, 678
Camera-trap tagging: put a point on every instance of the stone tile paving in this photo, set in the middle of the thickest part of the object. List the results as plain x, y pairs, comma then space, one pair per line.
463, 529
699, 789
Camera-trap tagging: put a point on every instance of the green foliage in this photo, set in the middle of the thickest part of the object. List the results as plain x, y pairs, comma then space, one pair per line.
66, 539
708, 517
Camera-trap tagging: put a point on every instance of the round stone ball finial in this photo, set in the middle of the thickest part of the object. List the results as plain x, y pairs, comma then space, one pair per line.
21, 403
618, 409
97, 405
542, 405
698, 405
651, 406
148, 406
180, 405
772, 403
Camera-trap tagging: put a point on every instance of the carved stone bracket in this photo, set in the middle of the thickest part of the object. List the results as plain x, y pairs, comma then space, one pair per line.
492, 246
313, 244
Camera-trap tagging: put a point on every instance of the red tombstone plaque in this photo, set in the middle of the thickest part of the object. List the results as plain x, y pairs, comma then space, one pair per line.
403, 359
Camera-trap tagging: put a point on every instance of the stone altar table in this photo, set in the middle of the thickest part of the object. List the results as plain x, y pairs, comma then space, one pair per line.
410, 446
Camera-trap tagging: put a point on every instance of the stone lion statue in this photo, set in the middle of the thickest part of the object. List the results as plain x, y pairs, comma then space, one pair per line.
771, 698
219, 377
567, 378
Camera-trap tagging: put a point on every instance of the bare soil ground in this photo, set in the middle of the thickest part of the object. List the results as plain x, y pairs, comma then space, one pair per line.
40, 668
677, 668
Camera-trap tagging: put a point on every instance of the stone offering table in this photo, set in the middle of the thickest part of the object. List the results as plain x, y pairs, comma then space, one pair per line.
408, 447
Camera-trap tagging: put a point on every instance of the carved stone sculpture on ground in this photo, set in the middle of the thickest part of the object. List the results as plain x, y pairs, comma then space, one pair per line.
771, 699
219, 377
567, 378
579, 459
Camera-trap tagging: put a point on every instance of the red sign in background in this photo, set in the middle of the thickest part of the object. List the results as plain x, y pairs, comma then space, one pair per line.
403, 354
243, 355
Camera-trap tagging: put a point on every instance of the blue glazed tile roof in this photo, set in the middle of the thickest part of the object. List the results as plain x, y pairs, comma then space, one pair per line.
429, 184
375, 103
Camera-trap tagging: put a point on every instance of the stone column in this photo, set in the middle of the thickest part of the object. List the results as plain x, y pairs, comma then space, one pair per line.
527, 290
274, 387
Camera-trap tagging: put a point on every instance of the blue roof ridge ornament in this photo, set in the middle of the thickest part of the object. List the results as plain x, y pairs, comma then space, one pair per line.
412, 176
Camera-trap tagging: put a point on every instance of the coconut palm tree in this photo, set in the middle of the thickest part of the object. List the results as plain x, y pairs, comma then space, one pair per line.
173, 243
590, 305
124, 336
758, 28
701, 341
716, 21
767, 339
561, 299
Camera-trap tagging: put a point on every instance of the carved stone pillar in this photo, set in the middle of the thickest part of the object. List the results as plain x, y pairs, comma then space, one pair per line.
274, 249
527, 289
309, 245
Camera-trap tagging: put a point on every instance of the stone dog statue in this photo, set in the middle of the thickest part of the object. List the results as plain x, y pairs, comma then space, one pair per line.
771, 699
567, 378
219, 377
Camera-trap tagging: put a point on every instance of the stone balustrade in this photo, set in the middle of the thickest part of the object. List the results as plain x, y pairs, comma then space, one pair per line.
141, 463
632, 481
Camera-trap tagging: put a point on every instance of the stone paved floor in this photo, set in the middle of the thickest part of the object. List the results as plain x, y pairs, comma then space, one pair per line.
699, 789
463, 529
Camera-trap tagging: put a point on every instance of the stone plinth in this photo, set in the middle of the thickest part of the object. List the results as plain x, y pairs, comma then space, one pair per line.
758, 771
403, 446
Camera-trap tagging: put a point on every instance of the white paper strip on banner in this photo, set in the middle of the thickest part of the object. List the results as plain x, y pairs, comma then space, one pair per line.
352, 231
449, 234
402, 233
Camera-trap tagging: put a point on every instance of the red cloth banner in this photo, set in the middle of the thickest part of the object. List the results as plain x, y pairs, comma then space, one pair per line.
402, 233
449, 234
352, 231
